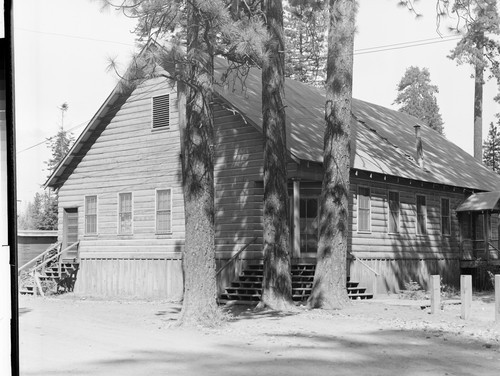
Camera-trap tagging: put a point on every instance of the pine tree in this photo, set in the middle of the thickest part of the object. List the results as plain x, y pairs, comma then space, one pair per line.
277, 281
305, 25
59, 146
329, 288
416, 95
196, 31
481, 49
491, 147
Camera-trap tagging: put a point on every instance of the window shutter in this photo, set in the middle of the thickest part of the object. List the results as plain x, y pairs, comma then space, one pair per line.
161, 111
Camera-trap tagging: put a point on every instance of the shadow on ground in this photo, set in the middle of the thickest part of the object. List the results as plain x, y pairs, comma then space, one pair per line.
380, 352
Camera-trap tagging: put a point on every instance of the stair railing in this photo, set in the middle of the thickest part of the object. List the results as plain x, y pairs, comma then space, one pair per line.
495, 248
365, 264
235, 256
40, 266
377, 274
37, 269
41, 256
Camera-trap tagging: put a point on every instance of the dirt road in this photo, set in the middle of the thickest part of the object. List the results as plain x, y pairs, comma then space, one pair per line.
74, 336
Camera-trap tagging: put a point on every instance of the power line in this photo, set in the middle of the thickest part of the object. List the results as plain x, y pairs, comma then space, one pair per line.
50, 138
410, 44
73, 36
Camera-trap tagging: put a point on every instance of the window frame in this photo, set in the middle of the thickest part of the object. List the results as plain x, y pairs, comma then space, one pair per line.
169, 232
426, 215
119, 213
369, 210
390, 213
448, 216
162, 127
86, 233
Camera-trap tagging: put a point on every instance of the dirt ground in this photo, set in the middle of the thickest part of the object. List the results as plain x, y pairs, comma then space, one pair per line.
72, 335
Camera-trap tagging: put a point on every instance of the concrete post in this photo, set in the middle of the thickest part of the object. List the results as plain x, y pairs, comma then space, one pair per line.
497, 298
465, 296
435, 293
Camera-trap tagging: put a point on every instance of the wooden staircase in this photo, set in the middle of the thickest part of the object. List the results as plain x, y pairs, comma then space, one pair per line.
247, 288
49, 272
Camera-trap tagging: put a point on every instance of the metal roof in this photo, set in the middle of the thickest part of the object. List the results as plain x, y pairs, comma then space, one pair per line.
481, 201
382, 140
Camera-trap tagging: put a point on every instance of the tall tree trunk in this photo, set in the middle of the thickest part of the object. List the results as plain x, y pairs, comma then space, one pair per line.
329, 288
200, 289
277, 282
478, 113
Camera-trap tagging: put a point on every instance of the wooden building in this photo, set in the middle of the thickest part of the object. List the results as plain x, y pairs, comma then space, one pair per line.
31, 243
120, 190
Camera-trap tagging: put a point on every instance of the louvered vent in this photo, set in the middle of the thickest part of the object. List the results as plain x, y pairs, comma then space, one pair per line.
161, 111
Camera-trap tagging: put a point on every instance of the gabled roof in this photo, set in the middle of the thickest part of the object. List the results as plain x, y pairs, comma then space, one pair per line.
382, 140
481, 201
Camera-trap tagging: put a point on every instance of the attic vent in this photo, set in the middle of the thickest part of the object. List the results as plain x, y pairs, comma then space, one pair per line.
161, 111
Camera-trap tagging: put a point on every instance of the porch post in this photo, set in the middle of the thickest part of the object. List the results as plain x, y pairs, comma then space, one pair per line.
296, 219
486, 226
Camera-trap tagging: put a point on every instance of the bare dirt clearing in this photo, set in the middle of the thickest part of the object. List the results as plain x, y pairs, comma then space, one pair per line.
73, 336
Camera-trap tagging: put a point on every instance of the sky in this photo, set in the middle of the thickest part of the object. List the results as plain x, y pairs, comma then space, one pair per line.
62, 49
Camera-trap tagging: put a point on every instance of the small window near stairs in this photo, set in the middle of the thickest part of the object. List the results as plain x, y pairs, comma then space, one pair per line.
161, 112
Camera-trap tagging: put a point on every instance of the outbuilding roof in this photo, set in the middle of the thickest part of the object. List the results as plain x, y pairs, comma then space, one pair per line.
382, 140
481, 202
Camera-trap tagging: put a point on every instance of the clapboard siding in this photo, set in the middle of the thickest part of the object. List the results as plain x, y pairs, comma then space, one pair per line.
238, 200
128, 156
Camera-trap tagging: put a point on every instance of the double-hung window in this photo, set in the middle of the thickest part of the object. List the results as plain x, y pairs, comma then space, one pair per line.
90, 215
445, 217
364, 209
393, 212
421, 215
125, 213
164, 211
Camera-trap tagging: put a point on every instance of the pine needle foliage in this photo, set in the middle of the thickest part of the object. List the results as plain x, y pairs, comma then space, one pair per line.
491, 147
417, 97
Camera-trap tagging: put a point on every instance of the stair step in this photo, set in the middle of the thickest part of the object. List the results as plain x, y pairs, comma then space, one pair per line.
358, 289
360, 296
27, 290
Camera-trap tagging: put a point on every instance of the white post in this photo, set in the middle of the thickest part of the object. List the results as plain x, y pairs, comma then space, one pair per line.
497, 298
435, 293
296, 219
465, 295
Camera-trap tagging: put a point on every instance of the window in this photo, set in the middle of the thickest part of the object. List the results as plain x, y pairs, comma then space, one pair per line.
421, 215
445, 217
161, 112
364, 204
164, 211
308, 224
125, 213
393, 212
90, 215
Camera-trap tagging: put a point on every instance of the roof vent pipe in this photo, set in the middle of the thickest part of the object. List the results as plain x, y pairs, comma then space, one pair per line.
419, 147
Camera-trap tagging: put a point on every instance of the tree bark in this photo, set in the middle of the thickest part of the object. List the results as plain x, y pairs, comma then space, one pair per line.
478, 113
277, 282
329, 287
200, 290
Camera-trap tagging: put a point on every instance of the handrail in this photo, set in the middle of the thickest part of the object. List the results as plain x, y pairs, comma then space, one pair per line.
231, 260
55, 256
495, 248
41, 255
365, 264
